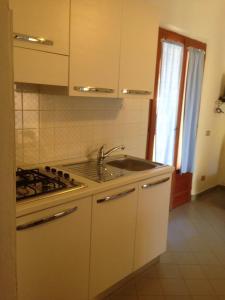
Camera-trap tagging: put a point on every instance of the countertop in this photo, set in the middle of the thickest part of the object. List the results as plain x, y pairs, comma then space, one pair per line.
36, 204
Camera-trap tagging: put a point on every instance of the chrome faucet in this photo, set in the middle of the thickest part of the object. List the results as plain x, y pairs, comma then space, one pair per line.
102, 154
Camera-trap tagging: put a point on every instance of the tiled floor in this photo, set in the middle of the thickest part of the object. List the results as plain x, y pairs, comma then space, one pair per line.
194, 265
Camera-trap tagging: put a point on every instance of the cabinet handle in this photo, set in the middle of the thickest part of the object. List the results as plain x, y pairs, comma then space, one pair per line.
46, 219
32, 39
89, 89
135, 92
117, 196
148, 185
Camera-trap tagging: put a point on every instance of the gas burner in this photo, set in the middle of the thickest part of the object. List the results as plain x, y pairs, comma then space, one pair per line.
35, 182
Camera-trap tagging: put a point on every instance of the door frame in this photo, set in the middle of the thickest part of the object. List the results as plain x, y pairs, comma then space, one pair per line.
178, 178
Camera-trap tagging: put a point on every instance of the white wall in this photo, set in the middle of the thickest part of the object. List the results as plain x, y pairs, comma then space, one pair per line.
7, 159
203, 20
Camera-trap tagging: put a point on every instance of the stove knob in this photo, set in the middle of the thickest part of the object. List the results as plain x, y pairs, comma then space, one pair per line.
47, 168
60, 173
66, 175
53, 170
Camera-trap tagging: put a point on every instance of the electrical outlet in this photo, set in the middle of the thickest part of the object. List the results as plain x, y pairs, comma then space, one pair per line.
203, 177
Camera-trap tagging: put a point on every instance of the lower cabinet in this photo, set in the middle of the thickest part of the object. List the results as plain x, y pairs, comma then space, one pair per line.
78, 250
152, 219
53, 249
113, 236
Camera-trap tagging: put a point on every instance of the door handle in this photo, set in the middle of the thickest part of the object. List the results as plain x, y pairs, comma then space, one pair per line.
148, 185
89, 89
117, 196
46, 219
32, 39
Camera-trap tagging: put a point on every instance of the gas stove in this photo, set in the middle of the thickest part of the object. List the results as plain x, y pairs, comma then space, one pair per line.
41, 181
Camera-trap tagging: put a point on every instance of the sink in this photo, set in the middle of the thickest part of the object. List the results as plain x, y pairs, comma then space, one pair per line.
132, 164
111, 169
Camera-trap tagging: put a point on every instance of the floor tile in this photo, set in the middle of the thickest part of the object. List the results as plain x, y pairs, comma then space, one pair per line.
214, 271
219, 286
185, 258
148, 286
178, 298
151, 298
120, 297
206, 258
168, 271
167, 258
199, 287
128, 289
191, 272
173, 287
205, 297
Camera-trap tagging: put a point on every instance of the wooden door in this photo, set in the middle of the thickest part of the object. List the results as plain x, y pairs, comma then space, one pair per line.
113, 234
95, 47
152, 219
181, 183
140, 24
53, 257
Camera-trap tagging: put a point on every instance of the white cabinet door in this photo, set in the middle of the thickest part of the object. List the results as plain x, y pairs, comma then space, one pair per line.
152, 219
95, 47
40, 67
48, 19
113, 234
138, 49
53, 256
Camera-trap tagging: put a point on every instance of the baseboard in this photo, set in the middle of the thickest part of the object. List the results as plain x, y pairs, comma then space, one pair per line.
197, 196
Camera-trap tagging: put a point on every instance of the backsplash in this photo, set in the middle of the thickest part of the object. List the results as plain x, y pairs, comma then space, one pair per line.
51, 126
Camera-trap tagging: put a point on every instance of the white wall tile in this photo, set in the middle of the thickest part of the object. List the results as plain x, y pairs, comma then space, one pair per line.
17, 100
30, 101
18, 119
51, 126
30, 119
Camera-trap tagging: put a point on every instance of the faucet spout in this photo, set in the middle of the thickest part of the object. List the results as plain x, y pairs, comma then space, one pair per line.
102, 154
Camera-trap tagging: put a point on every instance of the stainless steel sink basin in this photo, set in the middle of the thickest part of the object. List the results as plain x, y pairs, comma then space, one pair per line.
132, 164
112, 168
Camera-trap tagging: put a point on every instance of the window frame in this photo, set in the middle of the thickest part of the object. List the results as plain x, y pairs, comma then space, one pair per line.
187, 42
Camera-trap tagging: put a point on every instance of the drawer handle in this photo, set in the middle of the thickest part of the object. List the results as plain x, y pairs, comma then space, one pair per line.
136, 92
117, 196
89, 89
148, 185
32, 39
46, 219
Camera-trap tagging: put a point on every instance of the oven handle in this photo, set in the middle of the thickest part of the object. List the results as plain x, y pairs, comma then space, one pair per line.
46, 219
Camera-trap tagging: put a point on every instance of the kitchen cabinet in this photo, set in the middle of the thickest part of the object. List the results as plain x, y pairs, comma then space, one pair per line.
47, 19
152, 219
140, 23
113, 235
39, 67
53, 248
94, 47
41, 41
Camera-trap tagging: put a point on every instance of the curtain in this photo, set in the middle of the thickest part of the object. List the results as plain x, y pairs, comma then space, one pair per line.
167, 101
192, 105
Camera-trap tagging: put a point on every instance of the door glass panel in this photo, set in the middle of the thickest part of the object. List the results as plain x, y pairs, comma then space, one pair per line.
167, 102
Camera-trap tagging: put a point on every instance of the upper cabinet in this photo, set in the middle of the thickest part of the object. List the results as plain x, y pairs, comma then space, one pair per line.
95, 47
42, 25
140, 25
99, 48
41, 41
